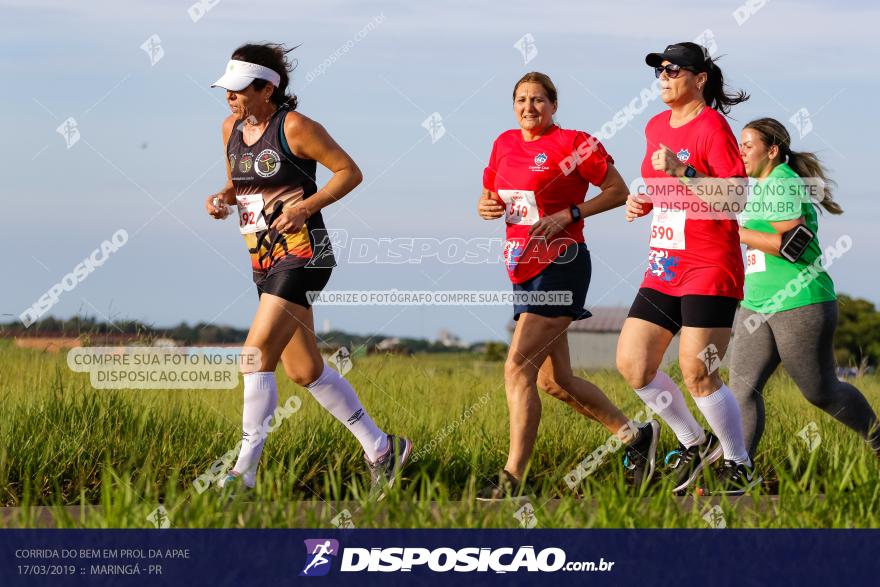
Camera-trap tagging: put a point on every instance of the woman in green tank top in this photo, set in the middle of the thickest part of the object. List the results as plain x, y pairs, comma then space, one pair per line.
789, 313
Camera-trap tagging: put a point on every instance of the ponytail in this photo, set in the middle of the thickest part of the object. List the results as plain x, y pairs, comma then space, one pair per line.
715, 94
808, 165
804, 164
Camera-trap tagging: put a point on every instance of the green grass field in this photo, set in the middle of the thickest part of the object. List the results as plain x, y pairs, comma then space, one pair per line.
63, 443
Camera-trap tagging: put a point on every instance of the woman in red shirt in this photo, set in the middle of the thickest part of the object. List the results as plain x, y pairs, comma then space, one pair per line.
694, 278
537, 178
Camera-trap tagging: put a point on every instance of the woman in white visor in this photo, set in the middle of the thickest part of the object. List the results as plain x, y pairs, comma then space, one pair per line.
272, 153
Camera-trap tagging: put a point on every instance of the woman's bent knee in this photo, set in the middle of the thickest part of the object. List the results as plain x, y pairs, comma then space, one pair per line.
701, 383
304, 375
636, 373
551, 385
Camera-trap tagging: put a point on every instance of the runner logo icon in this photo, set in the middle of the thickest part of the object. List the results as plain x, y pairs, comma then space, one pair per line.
318, 553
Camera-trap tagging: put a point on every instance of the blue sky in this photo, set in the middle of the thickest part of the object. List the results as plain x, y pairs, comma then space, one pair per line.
150, 137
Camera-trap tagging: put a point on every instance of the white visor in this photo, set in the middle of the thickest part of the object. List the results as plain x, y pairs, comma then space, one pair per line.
240, 74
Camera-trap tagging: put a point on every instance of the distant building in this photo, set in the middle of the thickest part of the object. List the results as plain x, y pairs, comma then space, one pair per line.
448, 339
50, 344
388, 344
54, 342
592, 343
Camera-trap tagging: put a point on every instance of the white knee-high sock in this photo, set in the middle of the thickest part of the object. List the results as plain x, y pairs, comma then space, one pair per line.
337, 396
664, 397
260, 400
722, 414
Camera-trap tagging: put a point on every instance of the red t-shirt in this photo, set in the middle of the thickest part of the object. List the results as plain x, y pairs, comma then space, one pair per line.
708, 260
538, 178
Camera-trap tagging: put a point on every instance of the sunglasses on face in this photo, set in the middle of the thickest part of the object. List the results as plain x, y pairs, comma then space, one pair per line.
672, 70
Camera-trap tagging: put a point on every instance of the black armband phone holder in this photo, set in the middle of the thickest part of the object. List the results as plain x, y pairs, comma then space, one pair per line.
794, 242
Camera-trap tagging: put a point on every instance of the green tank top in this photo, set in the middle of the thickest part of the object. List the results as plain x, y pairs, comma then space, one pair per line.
774, 284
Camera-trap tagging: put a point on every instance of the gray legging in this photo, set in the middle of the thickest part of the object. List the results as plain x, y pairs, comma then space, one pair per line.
803, 340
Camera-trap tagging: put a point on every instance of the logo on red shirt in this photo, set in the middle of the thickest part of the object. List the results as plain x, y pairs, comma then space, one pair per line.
513, 250
661, 264
683, 155
540, 159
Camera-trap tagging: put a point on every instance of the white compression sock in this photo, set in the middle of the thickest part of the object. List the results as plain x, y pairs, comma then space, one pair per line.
722, 414
672, 409
260, 400
337, 396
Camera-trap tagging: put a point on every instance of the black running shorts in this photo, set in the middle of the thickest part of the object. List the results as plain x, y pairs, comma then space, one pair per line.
294, 284
673, 312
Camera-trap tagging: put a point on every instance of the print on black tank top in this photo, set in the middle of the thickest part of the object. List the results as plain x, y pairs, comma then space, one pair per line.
264, 168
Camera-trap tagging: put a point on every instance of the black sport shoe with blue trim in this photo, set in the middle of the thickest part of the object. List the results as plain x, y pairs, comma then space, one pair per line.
640, 457
687, 463
733, 479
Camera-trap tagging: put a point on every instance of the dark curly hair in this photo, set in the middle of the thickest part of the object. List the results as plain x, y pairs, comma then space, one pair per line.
273, 56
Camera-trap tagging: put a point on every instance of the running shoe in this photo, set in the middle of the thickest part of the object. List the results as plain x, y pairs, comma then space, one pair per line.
733, 479
385, 470
874, 441
640, 457
233, 488
687, 463
508, 487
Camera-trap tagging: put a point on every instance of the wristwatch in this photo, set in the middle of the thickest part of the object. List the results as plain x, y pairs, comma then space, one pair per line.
575, 213
690, 172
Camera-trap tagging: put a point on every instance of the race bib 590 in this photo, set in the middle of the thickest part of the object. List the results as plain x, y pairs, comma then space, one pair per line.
667, 229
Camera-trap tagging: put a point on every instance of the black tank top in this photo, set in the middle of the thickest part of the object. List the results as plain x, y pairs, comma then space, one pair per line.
269, 169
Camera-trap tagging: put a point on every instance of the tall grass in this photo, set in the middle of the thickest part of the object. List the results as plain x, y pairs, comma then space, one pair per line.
63, 443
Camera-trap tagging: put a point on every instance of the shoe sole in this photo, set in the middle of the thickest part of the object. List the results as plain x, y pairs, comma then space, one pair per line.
652, 450
705, 461
519, 498
705, 492
514, 498
407, 451
398, 466
235, 493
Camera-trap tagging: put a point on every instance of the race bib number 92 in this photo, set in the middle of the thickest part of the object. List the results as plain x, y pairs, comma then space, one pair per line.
250, 213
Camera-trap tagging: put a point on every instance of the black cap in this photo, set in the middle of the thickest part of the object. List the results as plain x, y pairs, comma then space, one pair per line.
683, 54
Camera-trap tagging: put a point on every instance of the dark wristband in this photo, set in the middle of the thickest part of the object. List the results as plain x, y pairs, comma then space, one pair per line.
575, 213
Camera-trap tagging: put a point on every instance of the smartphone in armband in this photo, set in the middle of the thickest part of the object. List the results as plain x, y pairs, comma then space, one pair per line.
794, 243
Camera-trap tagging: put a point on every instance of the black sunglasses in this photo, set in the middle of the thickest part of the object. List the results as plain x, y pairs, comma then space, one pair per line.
672, 70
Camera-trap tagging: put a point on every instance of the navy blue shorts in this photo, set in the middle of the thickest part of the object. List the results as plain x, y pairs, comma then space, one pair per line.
570, 272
